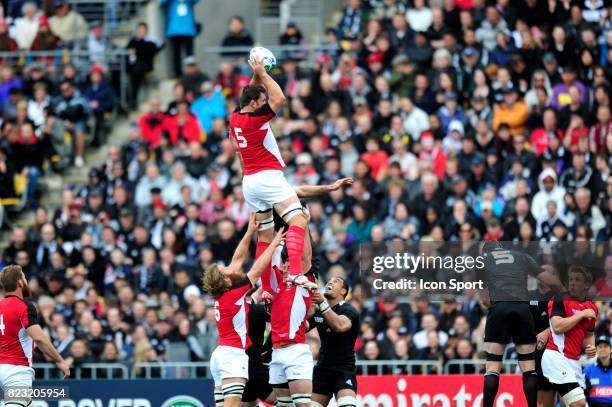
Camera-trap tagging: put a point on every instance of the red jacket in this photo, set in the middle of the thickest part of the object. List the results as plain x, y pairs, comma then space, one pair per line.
151, 127
540, 137
190, 131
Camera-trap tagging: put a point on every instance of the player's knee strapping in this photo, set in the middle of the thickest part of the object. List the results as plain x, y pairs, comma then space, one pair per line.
283, 401
291, 211
233, 389
492, 357
267, 222
301, 398
573, 396
526, 356
347, 401
219, 398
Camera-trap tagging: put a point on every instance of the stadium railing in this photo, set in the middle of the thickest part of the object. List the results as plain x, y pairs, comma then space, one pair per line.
380, 367
115, 14
85, 370
115, 61
509, 366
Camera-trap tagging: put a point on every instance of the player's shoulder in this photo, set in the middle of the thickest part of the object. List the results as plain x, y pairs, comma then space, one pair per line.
14, 302
560, 297
345, 308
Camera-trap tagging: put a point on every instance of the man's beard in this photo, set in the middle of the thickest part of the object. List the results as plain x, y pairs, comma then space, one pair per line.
25, 291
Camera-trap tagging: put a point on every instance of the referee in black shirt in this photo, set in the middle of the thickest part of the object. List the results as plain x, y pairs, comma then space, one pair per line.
337, 322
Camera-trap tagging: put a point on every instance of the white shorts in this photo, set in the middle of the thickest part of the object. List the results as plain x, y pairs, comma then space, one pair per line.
15, 376
560, 370
264, 189
291, 363
228, 361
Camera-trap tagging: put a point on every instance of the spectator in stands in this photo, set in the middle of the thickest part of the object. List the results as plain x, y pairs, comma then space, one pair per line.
181, 29
182, 127
192, 78
98, 45
26, 27
208, 106
429, 323
142, 50
101, 100
67, 24
74, 110
45, 40
237, 36
7, 44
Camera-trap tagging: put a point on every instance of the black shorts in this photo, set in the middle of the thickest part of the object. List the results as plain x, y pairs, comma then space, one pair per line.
257, 387
510, 322
329, 382
543, 382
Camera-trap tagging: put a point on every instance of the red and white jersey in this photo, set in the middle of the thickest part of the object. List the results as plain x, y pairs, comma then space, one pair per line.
16, 316
289, 314
253, 135
231, 313
570, 343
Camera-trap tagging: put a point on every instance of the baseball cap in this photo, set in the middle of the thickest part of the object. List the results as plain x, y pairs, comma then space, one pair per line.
303, 158
478, 159
400, 59
601, 339
458, 178
190, 60
470, 52
549, 57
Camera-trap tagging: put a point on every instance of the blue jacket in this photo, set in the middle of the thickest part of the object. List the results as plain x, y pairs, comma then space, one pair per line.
180, 18
207, 109
599, 384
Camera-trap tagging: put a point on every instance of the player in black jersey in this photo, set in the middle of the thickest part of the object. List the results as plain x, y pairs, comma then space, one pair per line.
538, 303
337, 322
258, 387
509, 319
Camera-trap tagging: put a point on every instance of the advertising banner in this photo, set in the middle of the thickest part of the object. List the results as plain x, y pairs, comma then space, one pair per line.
435, 391
130, 393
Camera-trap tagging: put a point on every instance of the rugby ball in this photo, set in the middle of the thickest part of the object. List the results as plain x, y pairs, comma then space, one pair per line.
264, 55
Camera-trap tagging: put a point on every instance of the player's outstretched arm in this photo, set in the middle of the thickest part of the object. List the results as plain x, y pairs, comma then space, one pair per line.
276, 97
47, 348
309, 191
337, 323
242, 251
264, 260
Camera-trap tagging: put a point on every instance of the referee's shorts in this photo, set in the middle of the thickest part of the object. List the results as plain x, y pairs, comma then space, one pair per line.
329, 382
510, 322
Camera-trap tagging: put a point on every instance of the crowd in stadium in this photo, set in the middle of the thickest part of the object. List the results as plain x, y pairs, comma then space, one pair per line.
458, 120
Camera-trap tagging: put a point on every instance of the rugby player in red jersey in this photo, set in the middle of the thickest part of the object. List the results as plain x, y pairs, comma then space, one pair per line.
264, 185
229, 287
19, 331
572, 323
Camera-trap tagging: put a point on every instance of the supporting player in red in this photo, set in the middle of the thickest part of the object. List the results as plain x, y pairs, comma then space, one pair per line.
19, 331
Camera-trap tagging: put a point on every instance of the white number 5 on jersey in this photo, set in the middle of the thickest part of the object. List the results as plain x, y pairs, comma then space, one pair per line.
2, 324
217, 312
242, 141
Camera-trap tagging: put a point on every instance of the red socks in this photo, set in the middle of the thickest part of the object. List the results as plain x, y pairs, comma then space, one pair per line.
294, 242
267, 274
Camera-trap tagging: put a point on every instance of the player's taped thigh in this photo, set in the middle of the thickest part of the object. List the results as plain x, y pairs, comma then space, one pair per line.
573, 396
267, 222
219, 398
291, 211
283, 401
526, 356
233, 389
492, 357
347, 401
301, 398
